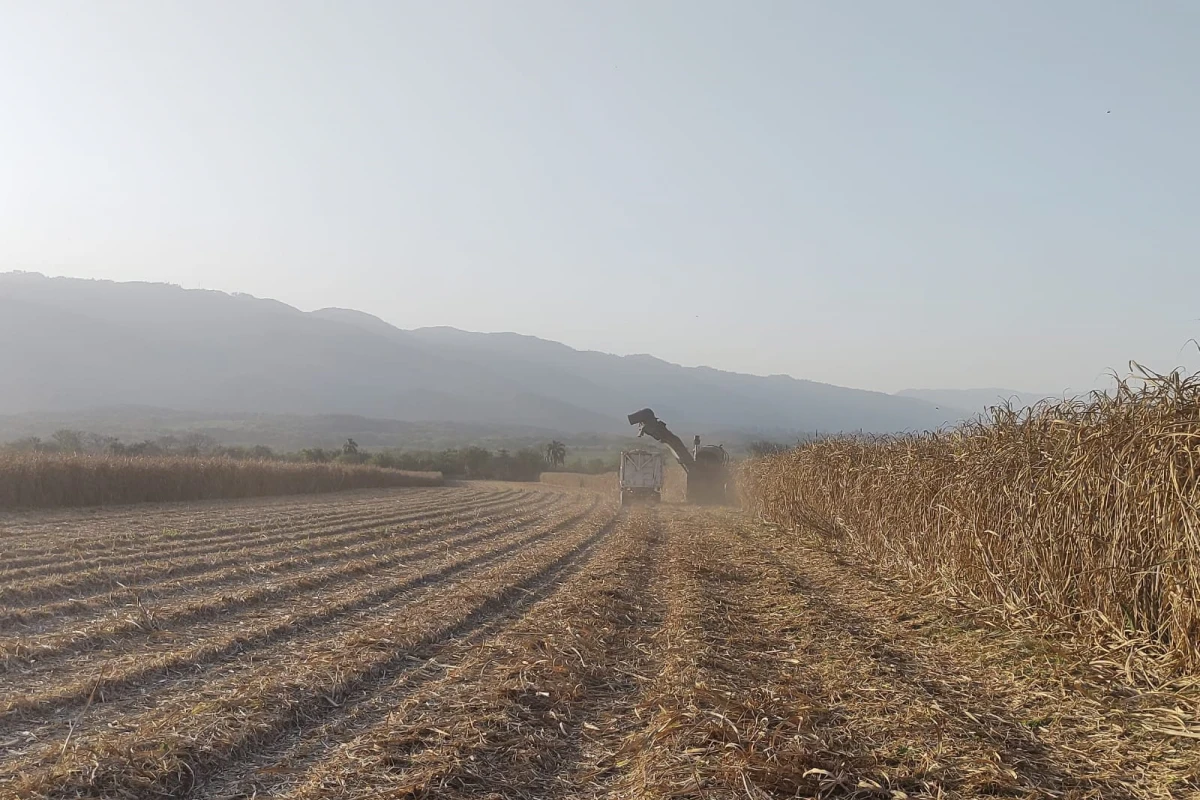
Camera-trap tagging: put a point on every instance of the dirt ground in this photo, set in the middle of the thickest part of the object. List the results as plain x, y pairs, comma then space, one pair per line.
495, 641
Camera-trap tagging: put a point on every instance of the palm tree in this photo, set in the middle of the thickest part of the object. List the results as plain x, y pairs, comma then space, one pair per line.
556, 453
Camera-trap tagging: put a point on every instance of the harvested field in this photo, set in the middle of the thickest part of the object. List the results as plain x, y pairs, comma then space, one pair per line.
496, 641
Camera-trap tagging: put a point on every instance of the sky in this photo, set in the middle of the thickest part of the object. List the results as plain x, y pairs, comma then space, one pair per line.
876, 194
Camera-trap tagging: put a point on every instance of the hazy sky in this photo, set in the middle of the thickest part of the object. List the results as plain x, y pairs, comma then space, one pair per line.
875, 194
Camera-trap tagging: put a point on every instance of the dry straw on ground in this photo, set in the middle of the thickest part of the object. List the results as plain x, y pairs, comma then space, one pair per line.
1082, 514
493, 640
50, 481
605, 482
673, 490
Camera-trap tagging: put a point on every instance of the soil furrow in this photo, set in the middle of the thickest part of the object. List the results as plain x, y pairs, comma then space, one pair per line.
38, 660
117, 681
180, 543
39, 591
305, 558
538, 643
991, 733
142, 673
529, 712
178, 744
128, 530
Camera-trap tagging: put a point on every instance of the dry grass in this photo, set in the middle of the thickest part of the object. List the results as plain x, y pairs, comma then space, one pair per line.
480, 641
605, 482
536, 710
55, 481
1082, 515
674, 481
786, 672
121, 715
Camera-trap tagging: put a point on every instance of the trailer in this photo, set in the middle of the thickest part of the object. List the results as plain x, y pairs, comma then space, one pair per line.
641, 477
707, 466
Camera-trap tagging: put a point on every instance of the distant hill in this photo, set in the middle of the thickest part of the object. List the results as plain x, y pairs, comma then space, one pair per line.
76, 345
972, 401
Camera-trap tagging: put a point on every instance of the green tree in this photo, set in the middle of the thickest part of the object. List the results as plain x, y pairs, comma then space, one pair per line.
68, 441
30, 444
527, 465
385, 460
502, 465
196, 444
556, 454
350, 448
477, 462
99, 443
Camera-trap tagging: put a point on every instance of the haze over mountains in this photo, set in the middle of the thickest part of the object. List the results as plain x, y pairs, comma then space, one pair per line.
74, 345
975, 400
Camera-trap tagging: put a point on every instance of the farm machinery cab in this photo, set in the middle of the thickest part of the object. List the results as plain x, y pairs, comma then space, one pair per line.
707, 466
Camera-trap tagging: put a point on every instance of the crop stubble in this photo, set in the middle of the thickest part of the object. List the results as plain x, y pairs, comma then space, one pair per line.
491, 642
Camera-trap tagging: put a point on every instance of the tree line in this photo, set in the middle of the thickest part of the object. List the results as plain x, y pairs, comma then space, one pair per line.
526, 464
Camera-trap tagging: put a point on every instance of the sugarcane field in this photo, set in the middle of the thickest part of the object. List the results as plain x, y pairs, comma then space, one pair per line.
599, 400
496, 641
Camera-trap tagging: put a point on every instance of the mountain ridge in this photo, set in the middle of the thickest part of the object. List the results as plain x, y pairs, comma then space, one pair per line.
104, 343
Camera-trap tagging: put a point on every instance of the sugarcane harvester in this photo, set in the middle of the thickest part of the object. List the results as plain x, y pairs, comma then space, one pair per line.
707, 467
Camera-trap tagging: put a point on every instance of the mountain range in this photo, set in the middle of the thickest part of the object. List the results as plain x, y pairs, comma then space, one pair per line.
76, 345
